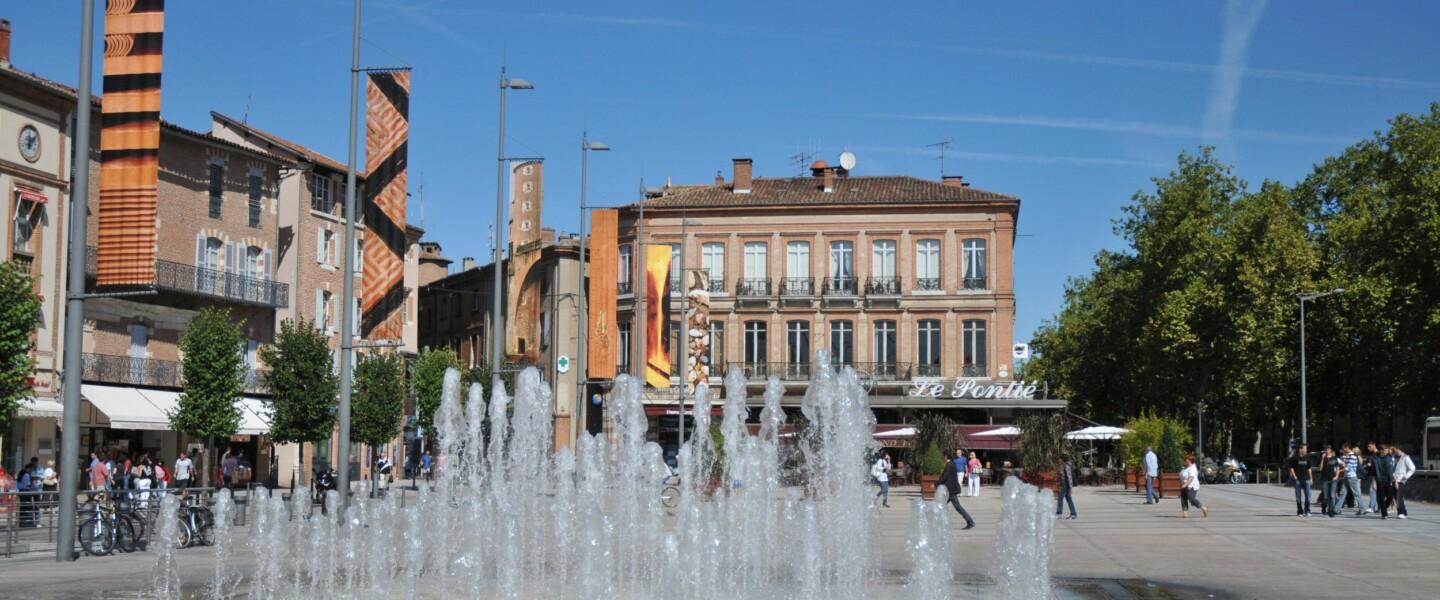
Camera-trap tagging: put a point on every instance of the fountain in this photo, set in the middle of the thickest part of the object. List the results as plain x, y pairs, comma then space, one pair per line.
1024, 543
507, 517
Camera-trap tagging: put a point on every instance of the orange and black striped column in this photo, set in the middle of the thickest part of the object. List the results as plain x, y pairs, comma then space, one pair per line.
387, 138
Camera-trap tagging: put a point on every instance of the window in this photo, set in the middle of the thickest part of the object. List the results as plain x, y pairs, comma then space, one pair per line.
797, 346
626, 265
254, 265
797, 260
882, 259
928, 348
842, 260
323, 315
755, 258
257, 186
29, 216
209, 271
973, 260
717, 348
322, 193
712, 259
625, 349
139, 339
927, 265
884, 351
359, 256
217, 188
972, 337
842, 343
755, 343
325, 241
355, 317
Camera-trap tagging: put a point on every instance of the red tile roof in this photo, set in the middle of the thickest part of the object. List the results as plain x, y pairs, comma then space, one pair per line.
298, 149
799, 191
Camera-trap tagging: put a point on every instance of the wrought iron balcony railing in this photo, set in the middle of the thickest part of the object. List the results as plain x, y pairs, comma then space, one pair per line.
797, 286
975, 283
717, 286
884, 371
149, 372
973, 370
928, 284
930, 370
624, 288
205, 281
877, 371
839, 286
753, 288
882, 286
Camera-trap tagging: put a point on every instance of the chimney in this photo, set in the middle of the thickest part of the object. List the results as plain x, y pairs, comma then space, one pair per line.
467, 263
829, 179
719, 179
4, 42
742, 175
954, 181
817, 168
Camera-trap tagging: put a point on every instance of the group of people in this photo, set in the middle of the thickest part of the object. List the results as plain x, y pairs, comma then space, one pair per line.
1189, 484
136, 477
34, 477
1348, 476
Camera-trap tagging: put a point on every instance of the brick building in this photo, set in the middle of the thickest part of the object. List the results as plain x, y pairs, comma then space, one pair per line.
909, 281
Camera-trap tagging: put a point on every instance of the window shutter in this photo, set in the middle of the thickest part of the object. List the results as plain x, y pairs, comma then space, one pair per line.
199, 250
319, 316
319, 244
355, 317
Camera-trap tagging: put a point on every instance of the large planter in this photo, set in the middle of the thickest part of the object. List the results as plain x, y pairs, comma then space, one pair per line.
1133, 480
1049, 480
1169, 484
927, 486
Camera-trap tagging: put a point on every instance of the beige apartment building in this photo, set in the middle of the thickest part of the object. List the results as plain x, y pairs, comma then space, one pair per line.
909, 281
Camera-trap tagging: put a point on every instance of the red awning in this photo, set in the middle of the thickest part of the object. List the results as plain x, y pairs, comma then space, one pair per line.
984, 443
660, 410
30, 196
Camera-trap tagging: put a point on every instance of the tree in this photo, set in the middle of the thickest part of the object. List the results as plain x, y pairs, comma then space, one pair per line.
19, 317
378, 403
427, 382
302, 383
213, 365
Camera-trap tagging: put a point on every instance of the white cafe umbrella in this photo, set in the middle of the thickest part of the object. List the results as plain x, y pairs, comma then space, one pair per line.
1001, 432
903, 432
1097, 432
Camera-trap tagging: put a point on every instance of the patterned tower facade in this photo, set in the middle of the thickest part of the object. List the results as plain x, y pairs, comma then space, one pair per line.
130, 143
387, 136
526, 193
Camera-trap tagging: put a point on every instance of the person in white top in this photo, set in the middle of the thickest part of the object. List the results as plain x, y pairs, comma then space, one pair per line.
1190, 488
183, 467
880, 472
1404, 469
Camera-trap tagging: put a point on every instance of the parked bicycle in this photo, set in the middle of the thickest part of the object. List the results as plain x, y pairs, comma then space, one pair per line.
109, 528
197, 524
670, 494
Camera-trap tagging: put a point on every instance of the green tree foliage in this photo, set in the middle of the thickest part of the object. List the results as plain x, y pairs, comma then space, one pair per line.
302, 383
1170, 439
378, 401
214, 369
427, 382
19, 317
481, 375
932, 462
935, 429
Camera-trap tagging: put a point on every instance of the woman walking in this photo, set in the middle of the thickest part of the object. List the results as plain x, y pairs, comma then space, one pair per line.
1190, 488
880, 472
974, 475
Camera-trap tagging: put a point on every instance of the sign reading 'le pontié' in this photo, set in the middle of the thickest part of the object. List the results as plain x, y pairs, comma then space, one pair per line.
969, 388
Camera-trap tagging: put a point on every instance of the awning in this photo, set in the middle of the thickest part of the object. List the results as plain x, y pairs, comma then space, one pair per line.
1098, 432
126, 407
31, 196
903, 432
652, 410
1001, 432
254, 417
41, 407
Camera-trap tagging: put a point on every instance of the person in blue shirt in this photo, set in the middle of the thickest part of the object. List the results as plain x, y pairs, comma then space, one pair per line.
1152, 470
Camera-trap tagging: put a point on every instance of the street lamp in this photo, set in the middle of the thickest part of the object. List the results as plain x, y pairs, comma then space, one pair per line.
1303, 296
506, 83
586, 147
682, 332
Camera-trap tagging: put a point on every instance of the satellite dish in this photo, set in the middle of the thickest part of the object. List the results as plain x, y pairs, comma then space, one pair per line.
847, 160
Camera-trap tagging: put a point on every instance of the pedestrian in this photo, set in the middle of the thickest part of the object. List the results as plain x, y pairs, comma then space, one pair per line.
1367, 477
1301, 471
1404, 469
425, 465
184, 468
1152, 470
227, 469
1384, 479
974, 475
145, 480
1329, 466
26, 485
951, 480
50, 483
880, 472
1067, 482
1190, 488
1350, 469
99, 474
162, 475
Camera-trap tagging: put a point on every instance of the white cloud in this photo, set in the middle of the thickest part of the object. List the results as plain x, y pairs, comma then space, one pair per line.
1144, 128
1241, 18
1020, 158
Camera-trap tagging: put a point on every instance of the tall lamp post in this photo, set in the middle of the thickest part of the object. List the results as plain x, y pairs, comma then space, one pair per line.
682, 331
582, 375
1304, 437
496, 332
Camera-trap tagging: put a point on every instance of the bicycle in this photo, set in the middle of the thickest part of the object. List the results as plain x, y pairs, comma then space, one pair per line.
670, 494
107, 530
197, 525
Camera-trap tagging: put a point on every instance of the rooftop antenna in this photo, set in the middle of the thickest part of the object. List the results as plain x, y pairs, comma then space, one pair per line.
245, 118
802, 160
941, 146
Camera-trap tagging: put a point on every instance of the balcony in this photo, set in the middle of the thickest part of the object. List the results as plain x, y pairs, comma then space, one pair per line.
149, 372
884, 371
717, 286
624, 288
840, 286
797, 372
973, 370
882, 286
927, 370
204, 281
974, 283
753, 289
802, 287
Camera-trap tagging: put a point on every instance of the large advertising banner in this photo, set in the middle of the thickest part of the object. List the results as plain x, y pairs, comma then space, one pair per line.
657, 312
697, 331
129, 143
604, 266
387, 166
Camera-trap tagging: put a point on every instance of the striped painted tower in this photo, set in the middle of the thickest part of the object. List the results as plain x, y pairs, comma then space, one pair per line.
387, 136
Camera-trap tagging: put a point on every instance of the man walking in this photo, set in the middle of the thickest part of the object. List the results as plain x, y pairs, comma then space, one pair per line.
1067, 481
1329, 466
1350, 468
1384, 479
880, 472
1404, 468
1152, 470
951, 480
183, 471
1300, 475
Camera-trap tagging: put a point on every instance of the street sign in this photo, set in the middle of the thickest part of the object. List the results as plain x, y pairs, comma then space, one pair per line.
562, 364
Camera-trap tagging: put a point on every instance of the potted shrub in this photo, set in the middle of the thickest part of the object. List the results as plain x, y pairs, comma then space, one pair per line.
932, 464
1174, 439
1145, 430
1041, 445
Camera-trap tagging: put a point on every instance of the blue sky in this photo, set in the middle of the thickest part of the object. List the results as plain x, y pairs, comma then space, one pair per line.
1070, 106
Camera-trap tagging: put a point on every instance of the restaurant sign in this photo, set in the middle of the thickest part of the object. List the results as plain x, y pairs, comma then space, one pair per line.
970, 388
